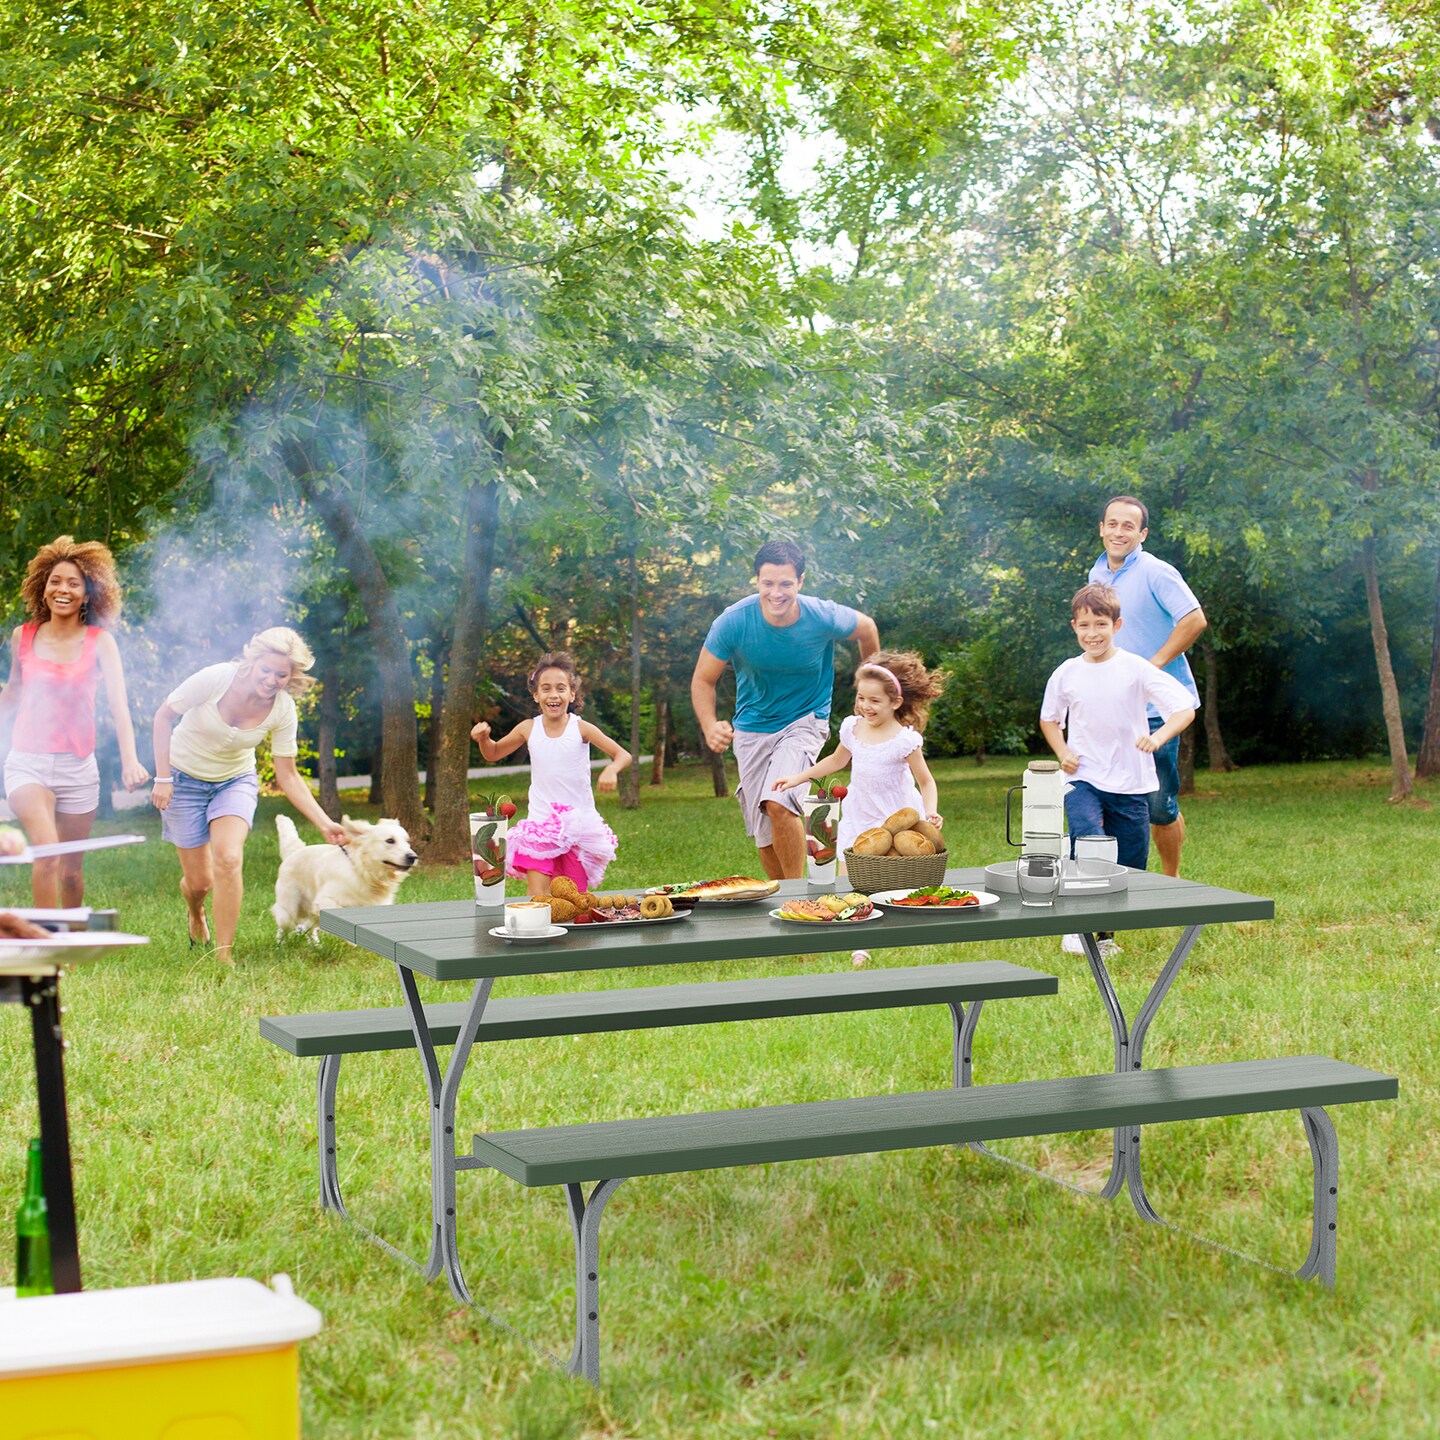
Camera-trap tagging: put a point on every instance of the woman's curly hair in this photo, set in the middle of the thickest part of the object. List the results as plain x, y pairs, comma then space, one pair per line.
280, 640
93, 560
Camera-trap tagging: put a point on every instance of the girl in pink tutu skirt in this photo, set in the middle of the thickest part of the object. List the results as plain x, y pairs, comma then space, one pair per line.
881, 744
563, 833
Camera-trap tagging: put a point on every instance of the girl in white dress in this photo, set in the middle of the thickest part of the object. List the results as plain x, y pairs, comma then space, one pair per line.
881, 744
563, 833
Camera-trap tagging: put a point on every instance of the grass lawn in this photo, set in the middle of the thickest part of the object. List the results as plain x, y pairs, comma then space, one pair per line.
925, 1293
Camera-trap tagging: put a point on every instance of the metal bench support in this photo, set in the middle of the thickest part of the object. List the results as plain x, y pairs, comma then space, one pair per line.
585, 1223
330, 1197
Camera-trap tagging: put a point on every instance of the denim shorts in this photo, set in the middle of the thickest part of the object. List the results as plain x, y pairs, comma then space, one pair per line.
1165, 802
1126, 818
185, 822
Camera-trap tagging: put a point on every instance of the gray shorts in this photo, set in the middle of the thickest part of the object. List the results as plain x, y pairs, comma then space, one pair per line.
763, 758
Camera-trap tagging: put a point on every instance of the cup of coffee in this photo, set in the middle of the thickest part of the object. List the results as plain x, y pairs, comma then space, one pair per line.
527, 917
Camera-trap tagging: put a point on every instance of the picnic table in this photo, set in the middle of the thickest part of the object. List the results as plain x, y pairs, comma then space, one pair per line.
448, 941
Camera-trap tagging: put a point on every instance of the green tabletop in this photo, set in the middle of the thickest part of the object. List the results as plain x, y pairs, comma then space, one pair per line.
447, 940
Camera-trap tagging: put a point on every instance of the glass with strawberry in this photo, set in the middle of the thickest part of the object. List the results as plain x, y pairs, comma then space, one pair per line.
488, 829
821, 811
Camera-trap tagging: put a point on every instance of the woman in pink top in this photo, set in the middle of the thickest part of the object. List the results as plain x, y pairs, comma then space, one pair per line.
58, 659
563, 834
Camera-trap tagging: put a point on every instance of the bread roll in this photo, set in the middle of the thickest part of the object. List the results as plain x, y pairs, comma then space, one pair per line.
902, 820
564, 888
873, 842
912, 842
561, 909
931, 833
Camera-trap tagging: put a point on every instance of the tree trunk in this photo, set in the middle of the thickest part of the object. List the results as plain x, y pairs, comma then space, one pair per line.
1427, 762
1210, 710
451, 765
377, 756
1186, 761
718, 777
1400, 786
329, 726
399, 742
432, 730
630, 781
662, 738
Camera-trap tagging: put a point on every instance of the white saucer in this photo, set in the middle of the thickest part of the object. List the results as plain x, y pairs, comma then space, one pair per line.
553, 933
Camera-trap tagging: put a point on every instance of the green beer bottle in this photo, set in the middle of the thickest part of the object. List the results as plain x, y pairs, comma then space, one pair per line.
32, 1233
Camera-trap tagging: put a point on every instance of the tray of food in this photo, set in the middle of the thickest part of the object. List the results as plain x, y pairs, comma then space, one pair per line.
731, 890
852, 909
937, 897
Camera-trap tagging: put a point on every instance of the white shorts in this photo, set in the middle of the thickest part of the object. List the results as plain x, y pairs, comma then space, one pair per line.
74, 780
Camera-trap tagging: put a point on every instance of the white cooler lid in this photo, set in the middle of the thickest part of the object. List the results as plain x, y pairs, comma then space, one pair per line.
149, 1323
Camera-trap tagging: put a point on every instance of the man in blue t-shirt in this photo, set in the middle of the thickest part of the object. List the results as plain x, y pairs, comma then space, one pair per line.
1162, 620
782, 646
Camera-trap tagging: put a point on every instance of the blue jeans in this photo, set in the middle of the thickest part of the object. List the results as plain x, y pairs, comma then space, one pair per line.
1165, 802
1125, 818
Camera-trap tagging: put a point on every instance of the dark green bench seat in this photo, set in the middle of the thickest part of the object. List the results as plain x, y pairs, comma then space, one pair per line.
610, 1151
333, 1035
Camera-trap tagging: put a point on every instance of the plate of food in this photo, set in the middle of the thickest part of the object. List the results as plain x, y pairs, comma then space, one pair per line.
618, 908
731, 890
852, 909
937, 897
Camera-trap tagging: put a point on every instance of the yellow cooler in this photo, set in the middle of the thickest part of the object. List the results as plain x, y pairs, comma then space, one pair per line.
201, 1360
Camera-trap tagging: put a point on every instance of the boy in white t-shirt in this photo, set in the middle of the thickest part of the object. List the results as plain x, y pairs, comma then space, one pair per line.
1100, 698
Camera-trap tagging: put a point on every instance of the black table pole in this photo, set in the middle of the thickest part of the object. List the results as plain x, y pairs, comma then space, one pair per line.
42, 995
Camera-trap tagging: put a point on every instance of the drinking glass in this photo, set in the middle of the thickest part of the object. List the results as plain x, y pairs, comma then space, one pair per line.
487, 855
1038, 879
1097, 847
822, 825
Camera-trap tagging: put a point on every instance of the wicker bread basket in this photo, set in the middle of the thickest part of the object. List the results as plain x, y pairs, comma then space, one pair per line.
869, 873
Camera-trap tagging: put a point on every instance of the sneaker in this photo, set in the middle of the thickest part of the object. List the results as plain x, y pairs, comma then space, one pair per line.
1108, 948
1071, 945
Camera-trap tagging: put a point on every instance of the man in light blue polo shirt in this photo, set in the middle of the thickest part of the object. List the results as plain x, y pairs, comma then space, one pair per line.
1162, 620
782, 646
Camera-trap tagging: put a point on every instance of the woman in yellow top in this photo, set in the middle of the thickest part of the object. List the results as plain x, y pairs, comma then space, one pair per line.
206, 785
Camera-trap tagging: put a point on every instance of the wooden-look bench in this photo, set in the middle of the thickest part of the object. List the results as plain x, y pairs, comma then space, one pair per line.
608, 1152
333, 1035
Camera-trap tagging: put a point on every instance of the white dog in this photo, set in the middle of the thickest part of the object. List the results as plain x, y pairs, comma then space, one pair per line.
367, 870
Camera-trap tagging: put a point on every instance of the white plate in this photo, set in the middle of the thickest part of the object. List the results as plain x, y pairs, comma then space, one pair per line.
66, 947
889, 897
636, 920
748, 897
32, 853
553, 933
873, 915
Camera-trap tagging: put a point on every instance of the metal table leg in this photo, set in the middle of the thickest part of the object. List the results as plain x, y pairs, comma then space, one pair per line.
1125, 1166
442, 1090
1125, 1142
